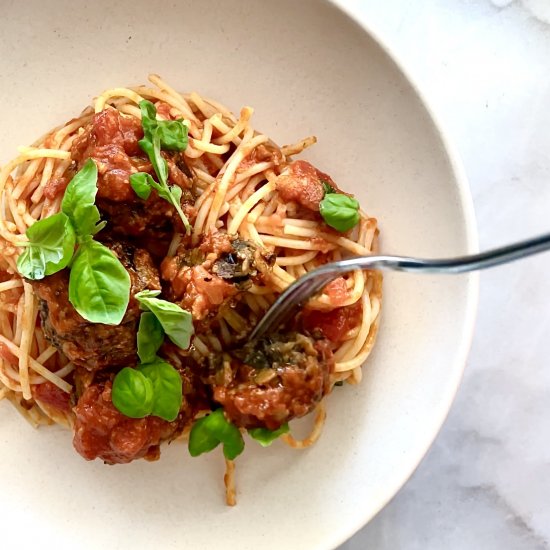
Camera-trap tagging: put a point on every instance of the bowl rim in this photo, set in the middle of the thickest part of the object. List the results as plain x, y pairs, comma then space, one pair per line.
466, 202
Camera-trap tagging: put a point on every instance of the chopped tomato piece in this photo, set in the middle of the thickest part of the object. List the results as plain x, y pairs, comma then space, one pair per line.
334, 324
337, 291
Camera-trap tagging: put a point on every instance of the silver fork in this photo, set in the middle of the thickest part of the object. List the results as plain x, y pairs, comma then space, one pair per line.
313, 282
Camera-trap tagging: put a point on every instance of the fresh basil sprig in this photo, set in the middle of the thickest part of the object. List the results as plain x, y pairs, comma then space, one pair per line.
160, 318
49, 249
151, 389
177, 323
208, 432
266, 437
99, 285
170, 135
338, 210
142, 183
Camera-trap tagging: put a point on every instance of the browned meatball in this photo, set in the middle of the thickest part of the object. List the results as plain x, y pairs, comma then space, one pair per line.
101, 431
95, 346
112, 140
280, 379
204, 278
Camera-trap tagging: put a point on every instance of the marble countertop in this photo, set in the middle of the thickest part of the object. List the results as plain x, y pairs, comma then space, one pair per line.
484, 66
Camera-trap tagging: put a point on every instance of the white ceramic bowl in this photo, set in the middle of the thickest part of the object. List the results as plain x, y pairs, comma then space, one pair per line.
307, 69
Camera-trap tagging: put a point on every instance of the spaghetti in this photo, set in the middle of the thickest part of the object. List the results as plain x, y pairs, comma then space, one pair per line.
255, 229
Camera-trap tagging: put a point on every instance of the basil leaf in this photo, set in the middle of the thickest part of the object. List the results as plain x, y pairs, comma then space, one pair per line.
157, 134
176, 322
167, 388
150, 337
133, 393
172, 133
99, 285
215, 427
176, 193
147, 293
201, 440
266, 437
141, 184
148, 116
152, 148
340, 211
50, 247
79, 201
170, 193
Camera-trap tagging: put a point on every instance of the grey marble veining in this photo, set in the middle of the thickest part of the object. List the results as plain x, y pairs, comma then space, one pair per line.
485, 68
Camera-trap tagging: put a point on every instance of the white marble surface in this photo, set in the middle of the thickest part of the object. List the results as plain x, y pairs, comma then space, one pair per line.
485, 484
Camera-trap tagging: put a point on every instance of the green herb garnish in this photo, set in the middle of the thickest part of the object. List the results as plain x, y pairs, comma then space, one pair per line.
266, 437
132, 393
339, 211
49, 249
142, 184
167, 388
160, 318
170, 135
78, 202
151, 389
149, 337
176, 322
208, 432
99, 285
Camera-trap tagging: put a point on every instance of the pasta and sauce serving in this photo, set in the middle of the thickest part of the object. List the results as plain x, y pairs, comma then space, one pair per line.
141, 242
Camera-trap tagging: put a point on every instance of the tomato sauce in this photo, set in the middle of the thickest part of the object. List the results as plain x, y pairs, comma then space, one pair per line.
335, 324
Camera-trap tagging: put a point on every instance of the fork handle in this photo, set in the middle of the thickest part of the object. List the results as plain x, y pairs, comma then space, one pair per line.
459, 264
311, 283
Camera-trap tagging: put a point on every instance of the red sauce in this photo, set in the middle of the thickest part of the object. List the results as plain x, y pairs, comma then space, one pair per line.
51, 395
163, 109
101, 431
337, 291
334, 324
262, 153
111, 140
55, 187
201, 292
216, 242
7, 355
111, 128
301, 183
